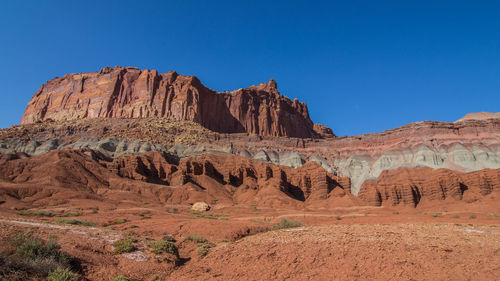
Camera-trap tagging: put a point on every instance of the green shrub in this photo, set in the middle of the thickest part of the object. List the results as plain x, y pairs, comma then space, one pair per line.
70, 214
436, 215
119, 221
456, 217
203, 248
120, 278
76, 222
33, 248
173, 211
62, 275
43, 213
33, 259
287, 223
164, 246
126, 245
473, 217
196, 239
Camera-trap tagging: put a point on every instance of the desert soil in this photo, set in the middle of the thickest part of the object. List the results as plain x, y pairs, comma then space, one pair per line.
357, 243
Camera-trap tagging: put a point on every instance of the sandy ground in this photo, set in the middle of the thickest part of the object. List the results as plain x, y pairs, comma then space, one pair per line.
358, 243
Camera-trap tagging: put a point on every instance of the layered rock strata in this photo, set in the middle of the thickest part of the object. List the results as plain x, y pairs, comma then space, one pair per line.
127, 92
411, 186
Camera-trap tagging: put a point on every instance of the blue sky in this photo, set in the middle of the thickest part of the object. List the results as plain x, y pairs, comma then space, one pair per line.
361, 66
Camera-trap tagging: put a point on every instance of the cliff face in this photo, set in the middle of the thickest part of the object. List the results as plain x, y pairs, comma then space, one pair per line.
132, 93
163, 176
411, 186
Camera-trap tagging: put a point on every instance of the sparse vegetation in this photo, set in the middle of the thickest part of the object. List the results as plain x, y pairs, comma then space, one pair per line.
173, 211
62, 274
338, 218
76, 222
395, 213
46, 213
42, 213
120, 278
472, 217
287, 223
119, 221
95, 211
435, 215
70, 214
196, 239
126, 245
164, 246
35, 259
203, 248
254, 207
456, 217
200, 215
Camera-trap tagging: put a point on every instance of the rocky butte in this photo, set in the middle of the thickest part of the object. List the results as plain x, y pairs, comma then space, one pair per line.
128, 92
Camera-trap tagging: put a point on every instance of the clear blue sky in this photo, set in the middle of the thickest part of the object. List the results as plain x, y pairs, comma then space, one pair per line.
361, 66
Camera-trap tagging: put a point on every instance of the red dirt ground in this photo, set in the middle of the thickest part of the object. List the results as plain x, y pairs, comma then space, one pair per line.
453, 241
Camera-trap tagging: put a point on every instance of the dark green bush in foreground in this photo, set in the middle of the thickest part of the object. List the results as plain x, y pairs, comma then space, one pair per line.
35, 258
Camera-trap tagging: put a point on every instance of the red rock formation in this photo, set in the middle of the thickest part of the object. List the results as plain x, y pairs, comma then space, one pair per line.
126, 92
231, 179
480, 116
409, 186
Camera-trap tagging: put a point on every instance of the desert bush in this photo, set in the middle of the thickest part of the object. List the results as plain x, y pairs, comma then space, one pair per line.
125, 245
473, 217
203, 248
119, 221
62, 275
70, 214
173, 211
164, 246
196, 239
287, 223
76, 222
436, 215
43, 213
33, 258
120, 278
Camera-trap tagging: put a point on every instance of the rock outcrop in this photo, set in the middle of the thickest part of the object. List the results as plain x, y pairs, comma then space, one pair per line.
163, 177
480, 116
127, 92
411, 186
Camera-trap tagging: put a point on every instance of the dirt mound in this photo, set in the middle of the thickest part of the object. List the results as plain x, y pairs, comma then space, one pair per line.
355, 252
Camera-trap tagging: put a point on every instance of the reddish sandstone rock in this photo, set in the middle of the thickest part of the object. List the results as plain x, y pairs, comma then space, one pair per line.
225, 178
127, 92
409, 186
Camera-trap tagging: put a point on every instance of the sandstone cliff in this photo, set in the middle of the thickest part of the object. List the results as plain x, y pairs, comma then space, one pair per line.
164, 177
126, 92
411, 186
